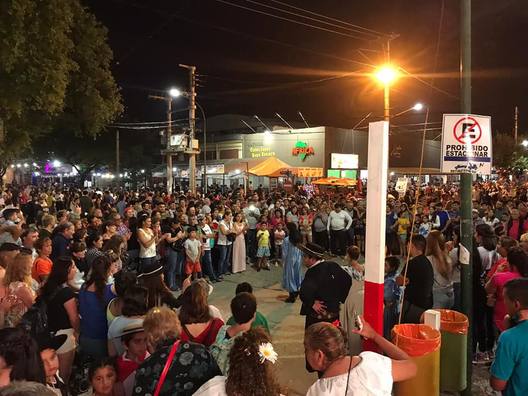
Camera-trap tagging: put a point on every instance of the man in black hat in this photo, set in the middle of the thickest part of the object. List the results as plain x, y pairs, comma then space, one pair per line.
324, 288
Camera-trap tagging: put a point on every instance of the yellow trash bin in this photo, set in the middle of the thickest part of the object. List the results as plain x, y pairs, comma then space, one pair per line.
422, 344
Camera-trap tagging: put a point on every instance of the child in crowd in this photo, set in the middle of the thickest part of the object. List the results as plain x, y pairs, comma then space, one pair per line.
391, 295
103, 379
263, 243
508, 372
354, 269
193, 252
279, 235
135, 342
260, 320
425, 227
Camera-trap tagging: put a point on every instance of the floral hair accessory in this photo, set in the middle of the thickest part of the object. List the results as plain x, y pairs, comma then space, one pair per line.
266, 352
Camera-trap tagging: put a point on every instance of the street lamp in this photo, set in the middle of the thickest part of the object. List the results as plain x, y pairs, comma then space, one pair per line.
416, 107
525, 143
386, 75
174, 92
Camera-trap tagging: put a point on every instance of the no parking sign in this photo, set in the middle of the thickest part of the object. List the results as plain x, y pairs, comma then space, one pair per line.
466, 144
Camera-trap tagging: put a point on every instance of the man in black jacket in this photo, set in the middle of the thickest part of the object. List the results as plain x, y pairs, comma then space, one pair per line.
324, 288
418, 295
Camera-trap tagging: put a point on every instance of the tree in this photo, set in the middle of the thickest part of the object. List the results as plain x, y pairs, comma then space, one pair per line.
54, 73
504, 149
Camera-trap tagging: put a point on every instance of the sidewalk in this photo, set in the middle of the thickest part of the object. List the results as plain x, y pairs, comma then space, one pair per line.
287, 328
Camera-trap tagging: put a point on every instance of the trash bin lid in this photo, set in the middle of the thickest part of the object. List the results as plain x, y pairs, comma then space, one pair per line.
416, 339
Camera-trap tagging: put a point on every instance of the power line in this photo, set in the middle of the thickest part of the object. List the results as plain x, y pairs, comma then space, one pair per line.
291, 20
376, 35
332, 19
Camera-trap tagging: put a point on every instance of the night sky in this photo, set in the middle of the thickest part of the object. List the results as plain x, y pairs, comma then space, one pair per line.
255, 64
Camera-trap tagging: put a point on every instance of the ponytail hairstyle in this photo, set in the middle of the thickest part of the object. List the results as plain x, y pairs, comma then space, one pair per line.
327, 338
98, 276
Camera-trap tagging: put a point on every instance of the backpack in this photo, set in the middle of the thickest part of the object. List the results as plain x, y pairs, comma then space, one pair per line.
35, 320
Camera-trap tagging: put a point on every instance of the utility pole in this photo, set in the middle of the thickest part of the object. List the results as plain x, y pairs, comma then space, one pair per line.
117, 153
192, 126
516, 127
466, 181
168, 153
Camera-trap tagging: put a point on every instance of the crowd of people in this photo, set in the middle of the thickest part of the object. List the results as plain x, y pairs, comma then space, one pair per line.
106, 292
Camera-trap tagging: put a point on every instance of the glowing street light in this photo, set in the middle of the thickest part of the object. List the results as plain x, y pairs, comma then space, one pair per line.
387, 75
418, 107
525, 143
174, 92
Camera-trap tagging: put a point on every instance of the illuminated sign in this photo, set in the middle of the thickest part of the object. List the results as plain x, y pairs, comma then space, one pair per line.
260, 152
302, 150
344, 161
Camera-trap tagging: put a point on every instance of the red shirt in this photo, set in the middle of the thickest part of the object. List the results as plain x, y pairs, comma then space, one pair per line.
207, 337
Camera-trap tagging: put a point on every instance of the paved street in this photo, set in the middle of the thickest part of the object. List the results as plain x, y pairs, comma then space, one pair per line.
287, 326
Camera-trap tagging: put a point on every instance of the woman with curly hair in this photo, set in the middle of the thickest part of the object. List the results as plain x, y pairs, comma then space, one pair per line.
251, 369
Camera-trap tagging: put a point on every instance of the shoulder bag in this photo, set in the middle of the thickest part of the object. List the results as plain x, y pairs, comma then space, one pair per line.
165, 371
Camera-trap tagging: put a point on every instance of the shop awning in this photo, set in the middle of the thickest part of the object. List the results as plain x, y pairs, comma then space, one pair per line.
334, 181
271, 167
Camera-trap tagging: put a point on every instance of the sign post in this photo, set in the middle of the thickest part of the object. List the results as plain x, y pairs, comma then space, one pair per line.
378, 160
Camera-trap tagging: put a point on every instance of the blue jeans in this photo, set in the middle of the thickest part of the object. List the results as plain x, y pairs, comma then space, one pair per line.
207, 265
224, 254
174, 269
147, 264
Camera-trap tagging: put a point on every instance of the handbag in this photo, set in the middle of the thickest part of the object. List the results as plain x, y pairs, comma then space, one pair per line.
165, 371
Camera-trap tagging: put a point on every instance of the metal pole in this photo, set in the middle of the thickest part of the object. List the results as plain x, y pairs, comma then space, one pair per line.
516, 130
466, 180
386, 103
117, 153
169, 155
205, 145
192, 126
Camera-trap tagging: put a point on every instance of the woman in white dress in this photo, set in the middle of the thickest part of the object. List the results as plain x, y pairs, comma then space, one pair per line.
251, 368
239, 245
367, 374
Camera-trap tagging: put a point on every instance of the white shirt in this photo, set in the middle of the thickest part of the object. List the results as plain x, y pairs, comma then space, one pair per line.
339, 221
192, 249
207, 244
146, 252
222, 239
371, 377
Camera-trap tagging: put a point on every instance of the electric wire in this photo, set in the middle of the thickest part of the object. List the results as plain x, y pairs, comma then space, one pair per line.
313, 19
330, 18
292, 20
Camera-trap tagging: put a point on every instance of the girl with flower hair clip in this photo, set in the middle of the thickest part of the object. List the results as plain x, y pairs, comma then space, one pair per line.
251, 369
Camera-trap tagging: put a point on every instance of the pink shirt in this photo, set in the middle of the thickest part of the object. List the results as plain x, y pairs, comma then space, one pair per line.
499, 280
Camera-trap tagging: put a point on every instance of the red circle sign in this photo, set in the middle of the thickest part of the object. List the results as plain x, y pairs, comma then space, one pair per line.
467, 129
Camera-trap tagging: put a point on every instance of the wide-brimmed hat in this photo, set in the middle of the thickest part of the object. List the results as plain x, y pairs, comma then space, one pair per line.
135, 326
151, 270
9, 247
313, 250
48, 342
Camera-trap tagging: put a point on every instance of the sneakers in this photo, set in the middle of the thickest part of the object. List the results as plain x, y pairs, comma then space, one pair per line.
481, 359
